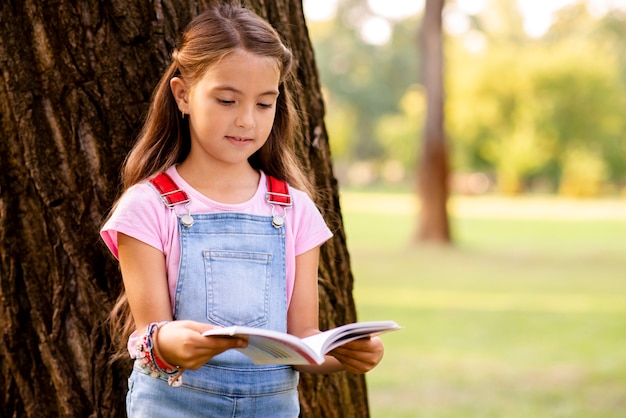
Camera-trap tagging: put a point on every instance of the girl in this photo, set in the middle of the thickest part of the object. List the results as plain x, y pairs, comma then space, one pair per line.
208, 233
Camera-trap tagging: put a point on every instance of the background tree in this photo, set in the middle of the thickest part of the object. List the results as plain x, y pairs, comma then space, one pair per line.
433, 167
76, 79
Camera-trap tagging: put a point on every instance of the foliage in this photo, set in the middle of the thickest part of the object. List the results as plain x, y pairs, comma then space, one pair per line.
363, 82
526, 120
584, 172
396, 132
545, 111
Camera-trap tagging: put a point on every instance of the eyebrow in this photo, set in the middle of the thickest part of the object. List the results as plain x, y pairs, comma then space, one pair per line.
237, 91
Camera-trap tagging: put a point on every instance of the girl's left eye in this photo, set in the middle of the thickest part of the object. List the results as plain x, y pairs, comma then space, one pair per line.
265, 105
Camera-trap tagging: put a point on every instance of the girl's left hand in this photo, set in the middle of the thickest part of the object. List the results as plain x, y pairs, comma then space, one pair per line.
360, 356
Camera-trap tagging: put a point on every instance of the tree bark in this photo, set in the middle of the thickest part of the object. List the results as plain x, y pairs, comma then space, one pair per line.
76, 78
433, 225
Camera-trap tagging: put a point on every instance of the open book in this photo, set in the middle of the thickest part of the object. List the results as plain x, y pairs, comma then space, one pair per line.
273, 347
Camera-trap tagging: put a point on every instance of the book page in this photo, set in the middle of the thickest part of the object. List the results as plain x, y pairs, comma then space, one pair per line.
270, 347
264, 350
273, 347
333, 338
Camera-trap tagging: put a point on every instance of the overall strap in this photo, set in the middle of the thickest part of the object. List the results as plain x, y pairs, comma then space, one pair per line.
277, 192
170, 192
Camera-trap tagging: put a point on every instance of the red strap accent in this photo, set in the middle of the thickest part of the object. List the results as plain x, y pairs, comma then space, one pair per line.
170, 192
277, 192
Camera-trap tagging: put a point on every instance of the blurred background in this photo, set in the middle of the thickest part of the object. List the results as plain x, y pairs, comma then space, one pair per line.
535, 92
522, 313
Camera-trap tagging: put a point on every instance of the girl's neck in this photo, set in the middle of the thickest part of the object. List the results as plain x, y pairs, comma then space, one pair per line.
229, 185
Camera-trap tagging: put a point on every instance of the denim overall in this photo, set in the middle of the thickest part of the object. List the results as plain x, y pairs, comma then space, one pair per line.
232, 272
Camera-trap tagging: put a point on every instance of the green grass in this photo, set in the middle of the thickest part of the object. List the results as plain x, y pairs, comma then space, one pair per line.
522, 317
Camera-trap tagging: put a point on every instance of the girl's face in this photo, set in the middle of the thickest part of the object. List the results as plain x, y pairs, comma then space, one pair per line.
231, 109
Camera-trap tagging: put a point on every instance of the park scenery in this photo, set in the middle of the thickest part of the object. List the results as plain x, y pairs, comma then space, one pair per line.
534, 92
468, 155
521, 313
522, 317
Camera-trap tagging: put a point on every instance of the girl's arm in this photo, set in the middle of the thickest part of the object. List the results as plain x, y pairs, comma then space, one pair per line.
178, 343
303, 320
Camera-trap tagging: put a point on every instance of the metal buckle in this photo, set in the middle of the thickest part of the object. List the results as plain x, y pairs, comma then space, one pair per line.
178, 202
269, 198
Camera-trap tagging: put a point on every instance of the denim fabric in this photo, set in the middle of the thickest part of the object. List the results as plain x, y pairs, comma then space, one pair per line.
153, 398
232, 272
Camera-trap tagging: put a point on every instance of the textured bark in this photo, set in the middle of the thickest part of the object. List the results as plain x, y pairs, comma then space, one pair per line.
76, 78
433, 225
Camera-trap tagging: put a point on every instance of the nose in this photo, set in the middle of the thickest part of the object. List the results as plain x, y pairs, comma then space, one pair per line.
245, 117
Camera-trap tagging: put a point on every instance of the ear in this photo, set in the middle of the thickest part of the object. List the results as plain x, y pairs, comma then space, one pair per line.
179, 90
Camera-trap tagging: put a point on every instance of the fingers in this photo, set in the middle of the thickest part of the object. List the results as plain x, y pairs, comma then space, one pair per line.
360, 356
353, 365
181, 343
195, 354
221, 343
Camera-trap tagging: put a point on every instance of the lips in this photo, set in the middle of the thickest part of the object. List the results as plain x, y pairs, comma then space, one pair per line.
238, 139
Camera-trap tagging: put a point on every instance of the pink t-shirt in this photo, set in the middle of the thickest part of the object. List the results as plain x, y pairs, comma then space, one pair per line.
141, 214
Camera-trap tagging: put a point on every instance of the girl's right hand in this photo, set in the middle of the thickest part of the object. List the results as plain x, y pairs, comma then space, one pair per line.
181, 343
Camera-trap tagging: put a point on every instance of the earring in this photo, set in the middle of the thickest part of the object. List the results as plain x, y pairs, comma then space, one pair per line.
182, 114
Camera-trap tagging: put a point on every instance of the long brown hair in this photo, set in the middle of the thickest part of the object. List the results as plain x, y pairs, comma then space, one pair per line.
164, 139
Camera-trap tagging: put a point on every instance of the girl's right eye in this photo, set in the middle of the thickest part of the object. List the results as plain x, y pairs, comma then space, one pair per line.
225, 102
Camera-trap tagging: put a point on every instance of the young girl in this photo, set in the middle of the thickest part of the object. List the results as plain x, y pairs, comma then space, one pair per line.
208, 234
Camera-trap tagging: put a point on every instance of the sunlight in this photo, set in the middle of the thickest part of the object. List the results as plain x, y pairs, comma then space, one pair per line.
599, 8
396, 9
538, 15
455, 21
471, 7
376, 31
320, 9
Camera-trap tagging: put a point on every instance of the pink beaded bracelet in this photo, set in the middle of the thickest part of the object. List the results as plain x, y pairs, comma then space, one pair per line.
149, 361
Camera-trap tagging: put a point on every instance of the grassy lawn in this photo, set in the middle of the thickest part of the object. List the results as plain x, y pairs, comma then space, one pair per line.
523, 317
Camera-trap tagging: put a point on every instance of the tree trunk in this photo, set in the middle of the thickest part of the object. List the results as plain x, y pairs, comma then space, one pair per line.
76, 78
433, 167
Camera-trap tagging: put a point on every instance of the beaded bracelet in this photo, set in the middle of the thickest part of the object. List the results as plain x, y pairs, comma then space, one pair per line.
149, 361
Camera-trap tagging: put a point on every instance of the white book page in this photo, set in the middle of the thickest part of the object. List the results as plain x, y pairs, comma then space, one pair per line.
333, 338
